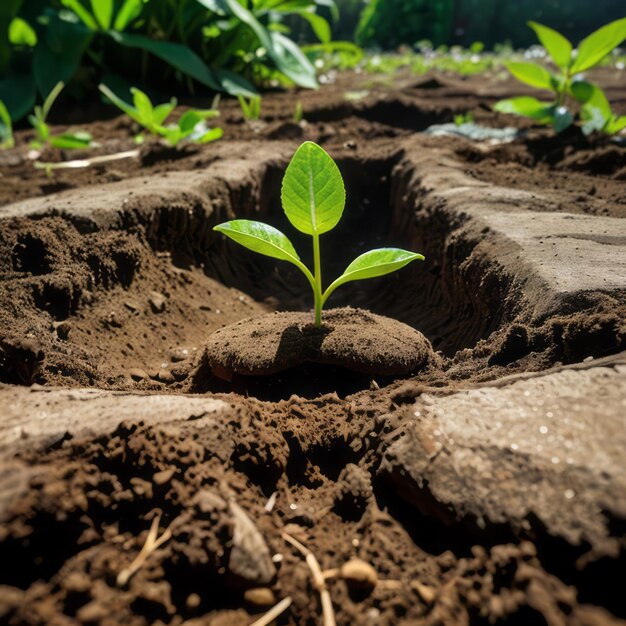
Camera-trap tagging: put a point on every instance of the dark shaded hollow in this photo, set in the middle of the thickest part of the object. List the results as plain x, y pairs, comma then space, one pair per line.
431, 296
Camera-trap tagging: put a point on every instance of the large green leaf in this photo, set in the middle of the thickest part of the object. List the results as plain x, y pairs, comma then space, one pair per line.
59, 52
373, 264
526, 106
531, 74
596, 46
177, 55
313, 194
18, 93
557, 46
285, 54
263, 239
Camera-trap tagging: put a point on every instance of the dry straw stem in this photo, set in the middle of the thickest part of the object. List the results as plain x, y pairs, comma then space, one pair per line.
319, 582
273, 613
78, 163
153, 541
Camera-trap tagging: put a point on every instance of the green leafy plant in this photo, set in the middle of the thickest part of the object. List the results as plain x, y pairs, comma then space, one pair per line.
298, 112
463, 118
6, 128
64, 141
569, 63
250, 108
190, 127
595, 111
313, 198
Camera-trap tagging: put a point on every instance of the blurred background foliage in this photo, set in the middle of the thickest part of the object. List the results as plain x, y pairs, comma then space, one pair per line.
389, 23
199, 47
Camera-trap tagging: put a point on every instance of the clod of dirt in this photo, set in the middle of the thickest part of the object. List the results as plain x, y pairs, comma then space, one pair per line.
350, 338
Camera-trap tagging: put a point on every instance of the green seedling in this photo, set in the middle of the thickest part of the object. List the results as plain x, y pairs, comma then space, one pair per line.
64, 141
463, 118
298, 112
313, 198
595, 111
250, 108
6, 128
191, 126
570, 63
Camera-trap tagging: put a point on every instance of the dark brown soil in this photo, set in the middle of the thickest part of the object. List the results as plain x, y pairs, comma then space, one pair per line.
121, 287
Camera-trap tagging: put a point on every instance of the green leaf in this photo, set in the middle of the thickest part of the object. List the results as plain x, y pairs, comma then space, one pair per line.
6, 128
8, 10
143, 106
557, 46
21, 33
121, 104
562, 119
103, 12
162, 111
616, 125
131, 9
526, 106
260, 238
531, 74
595, 112
59, 52
313, 193
320, 26
87, 18
18, 93
177, 55
202, 136
72, 141
373, 264
596, 46
51, 99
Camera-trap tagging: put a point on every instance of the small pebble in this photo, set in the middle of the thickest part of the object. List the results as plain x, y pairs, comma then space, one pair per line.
359, 574
157, 302
165, 376
179, 354
193, 601
260, 596
138, 374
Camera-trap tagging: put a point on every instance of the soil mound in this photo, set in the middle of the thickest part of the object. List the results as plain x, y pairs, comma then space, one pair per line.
350, 338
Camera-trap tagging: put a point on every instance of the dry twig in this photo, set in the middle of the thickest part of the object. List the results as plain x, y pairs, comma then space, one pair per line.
153, 541
273, 613
319, 582
78, 163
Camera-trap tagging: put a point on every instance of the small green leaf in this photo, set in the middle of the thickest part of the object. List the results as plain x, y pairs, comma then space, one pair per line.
531, 74
120, 103
143, 105
202, 136
526, 106
21, 33
129, 11
616, 125
557, 46
562, 119
103, 12
162, 111
82, 13
373, 264
596, 46
313, 194
263, 239
72, 141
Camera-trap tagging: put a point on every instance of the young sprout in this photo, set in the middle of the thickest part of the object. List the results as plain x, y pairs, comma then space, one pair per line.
298, 112
250, 108
64, 141
191, 126
313, 198
570, 63
6, 128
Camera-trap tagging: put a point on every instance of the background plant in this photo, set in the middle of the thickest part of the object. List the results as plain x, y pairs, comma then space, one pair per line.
566, 84
313, 198
43, 137
251, 107
216, 45
190, 127
6, 128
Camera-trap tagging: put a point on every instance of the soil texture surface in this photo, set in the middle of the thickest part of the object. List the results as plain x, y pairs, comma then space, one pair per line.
180, 445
